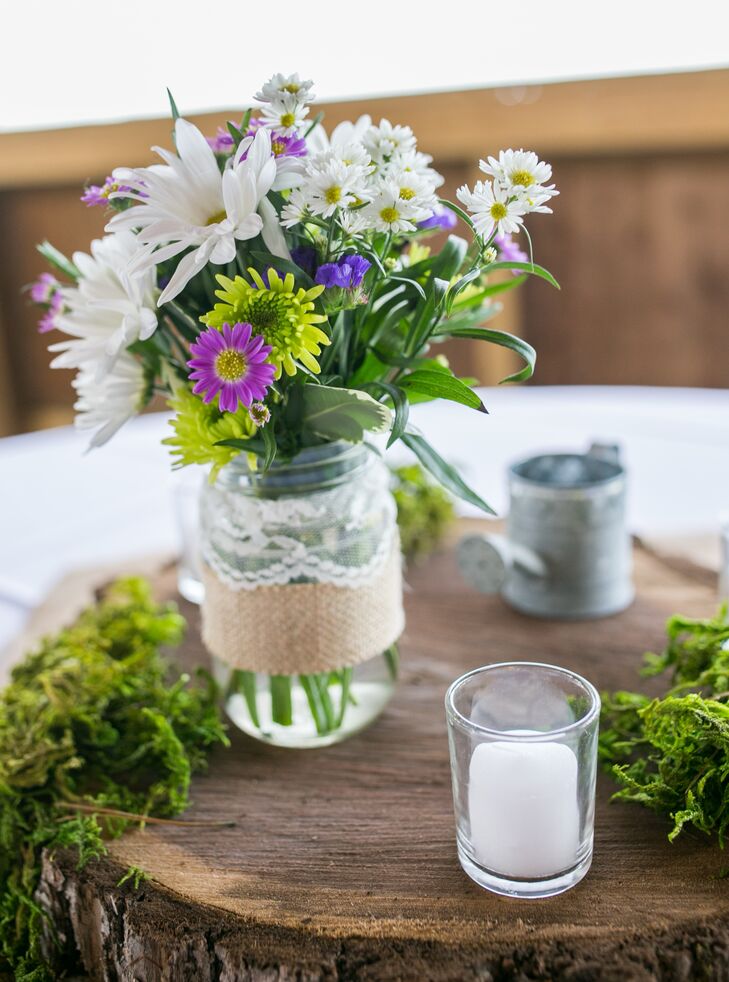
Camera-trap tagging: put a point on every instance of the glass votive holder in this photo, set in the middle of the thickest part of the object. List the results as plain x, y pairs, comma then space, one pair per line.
523, 746
186, 496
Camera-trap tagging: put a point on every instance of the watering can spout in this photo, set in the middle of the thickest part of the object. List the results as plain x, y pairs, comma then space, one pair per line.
486, 561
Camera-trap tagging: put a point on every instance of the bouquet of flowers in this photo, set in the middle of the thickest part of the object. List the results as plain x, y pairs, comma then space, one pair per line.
274, 283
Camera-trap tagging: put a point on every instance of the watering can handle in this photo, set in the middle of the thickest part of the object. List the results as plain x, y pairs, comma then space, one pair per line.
485, 561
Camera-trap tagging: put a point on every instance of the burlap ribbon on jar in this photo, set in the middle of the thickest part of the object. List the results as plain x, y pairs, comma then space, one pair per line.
299, 628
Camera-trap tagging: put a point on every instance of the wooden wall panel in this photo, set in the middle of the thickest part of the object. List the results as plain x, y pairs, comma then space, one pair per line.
640, 246
43, 396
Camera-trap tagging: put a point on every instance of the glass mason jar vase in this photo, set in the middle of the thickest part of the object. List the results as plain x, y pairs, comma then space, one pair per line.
303, 593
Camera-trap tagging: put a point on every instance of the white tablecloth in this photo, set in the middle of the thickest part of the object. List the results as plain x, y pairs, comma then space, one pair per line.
63, 509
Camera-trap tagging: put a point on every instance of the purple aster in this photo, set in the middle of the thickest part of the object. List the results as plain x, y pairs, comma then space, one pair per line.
347, 272
441, 218
48, 320
44, 288
305, 258
231, 365
259, 413
222, 142
287, 146
47, 291
96, 194
509, 251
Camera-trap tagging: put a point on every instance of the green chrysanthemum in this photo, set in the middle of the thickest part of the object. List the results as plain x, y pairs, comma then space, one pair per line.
198, 427
283, 315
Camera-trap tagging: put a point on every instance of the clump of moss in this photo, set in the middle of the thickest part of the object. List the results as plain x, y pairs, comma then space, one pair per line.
96, 718
672, 754
424, 511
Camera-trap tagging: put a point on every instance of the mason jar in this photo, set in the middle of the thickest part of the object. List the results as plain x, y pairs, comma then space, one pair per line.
302, 575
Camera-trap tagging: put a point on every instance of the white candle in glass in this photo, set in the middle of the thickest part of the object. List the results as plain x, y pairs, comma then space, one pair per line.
523, 811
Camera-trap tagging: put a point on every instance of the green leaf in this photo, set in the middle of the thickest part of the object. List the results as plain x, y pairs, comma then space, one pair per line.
342, 414
246, 445
314, 123
409, 281
449, 260
58, 260
235, 133
182, 320
459, 285
461, 214
501, 338
531, 268
440, 385
429, 315
401, 406
269, 441
448, 476
282, 265
173, 107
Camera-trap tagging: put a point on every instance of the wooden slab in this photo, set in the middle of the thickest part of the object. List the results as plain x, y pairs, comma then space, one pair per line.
343, 865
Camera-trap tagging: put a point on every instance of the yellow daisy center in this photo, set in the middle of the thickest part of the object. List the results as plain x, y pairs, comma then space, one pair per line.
498, 211
287, 120
333, 195
278, 147
230, 365
291, 87
389, 215
522, 177
407, 194
219, 216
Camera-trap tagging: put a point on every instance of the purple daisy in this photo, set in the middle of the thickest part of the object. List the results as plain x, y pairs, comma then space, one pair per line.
232, 365
98, 194
287, 146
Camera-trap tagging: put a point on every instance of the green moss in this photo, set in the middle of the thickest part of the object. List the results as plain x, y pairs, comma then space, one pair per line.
672, 754
424, 511
93, 716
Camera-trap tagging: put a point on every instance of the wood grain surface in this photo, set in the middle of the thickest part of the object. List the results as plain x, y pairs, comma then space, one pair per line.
342, 863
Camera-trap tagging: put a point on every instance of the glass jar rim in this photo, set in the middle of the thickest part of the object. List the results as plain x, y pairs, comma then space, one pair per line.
455, 716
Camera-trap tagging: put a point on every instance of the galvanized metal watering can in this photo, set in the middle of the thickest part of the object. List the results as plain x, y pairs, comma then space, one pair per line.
566, 552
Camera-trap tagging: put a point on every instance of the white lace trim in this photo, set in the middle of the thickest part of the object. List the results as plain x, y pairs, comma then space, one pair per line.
341, 536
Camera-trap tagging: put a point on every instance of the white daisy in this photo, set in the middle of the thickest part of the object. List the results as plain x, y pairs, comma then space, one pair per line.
388, 212
109, 309
354, 222
344, 134
296, 209
352, 154
419, 163
282, 85
382, 141
285, 114
415, 188
187, 203
105, 406
522, 173
331, 184
492, 208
